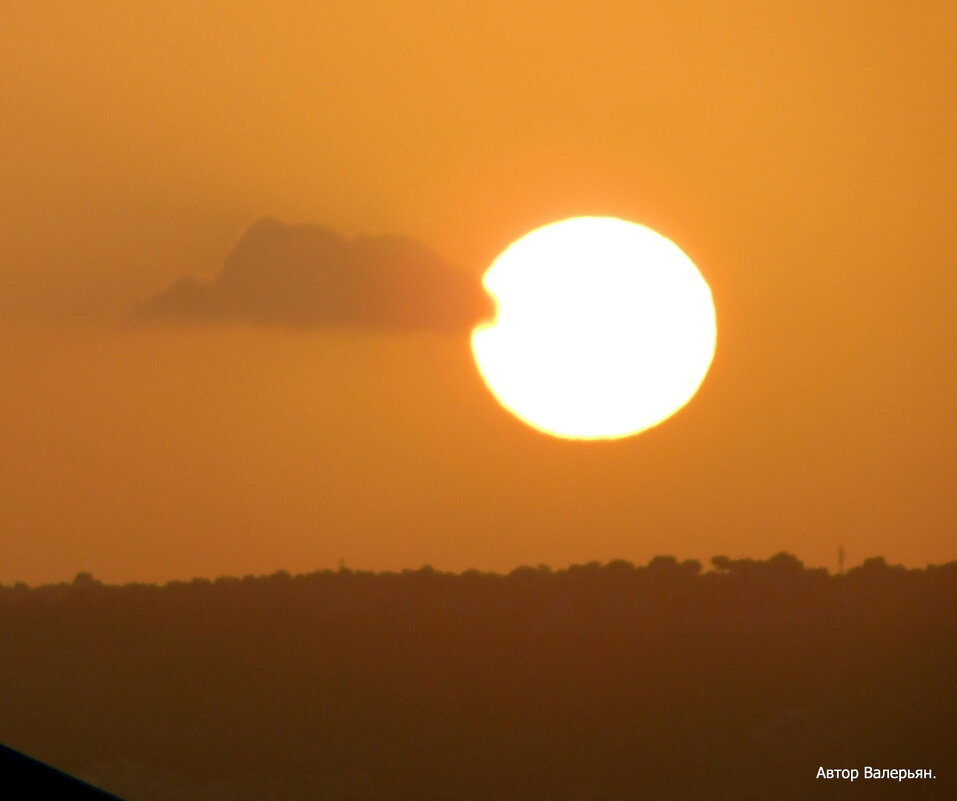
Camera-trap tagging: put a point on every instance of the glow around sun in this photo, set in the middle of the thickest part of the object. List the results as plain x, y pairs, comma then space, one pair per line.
604, 328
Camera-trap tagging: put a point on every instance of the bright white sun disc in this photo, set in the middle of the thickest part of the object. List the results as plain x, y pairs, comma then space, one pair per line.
604, 328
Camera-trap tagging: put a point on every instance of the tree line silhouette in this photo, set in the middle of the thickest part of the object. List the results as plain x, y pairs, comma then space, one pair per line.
597, 682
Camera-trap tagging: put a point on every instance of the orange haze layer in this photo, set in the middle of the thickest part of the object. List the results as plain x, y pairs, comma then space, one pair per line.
801, 154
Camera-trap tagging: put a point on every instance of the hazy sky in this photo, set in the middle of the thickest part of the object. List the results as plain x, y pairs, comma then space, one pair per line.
802, 154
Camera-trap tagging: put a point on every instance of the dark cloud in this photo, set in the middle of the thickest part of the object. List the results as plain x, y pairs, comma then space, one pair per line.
307, 275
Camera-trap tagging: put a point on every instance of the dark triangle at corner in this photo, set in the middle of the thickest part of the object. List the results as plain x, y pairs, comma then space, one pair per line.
24, 778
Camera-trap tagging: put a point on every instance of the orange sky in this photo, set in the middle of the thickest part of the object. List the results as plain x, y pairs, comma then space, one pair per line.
802, 154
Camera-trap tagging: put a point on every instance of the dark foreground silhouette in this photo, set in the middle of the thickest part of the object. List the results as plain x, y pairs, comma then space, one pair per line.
22, 777
600, 682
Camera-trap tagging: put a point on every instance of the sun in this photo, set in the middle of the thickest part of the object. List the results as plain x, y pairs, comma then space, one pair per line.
604, 328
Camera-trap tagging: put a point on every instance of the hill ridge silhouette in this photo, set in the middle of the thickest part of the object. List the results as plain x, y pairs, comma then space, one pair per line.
600, 681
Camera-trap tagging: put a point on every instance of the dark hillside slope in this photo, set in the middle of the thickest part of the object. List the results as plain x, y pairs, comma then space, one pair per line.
596, 682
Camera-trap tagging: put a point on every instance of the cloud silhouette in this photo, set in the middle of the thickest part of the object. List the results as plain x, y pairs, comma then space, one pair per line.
308, 275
